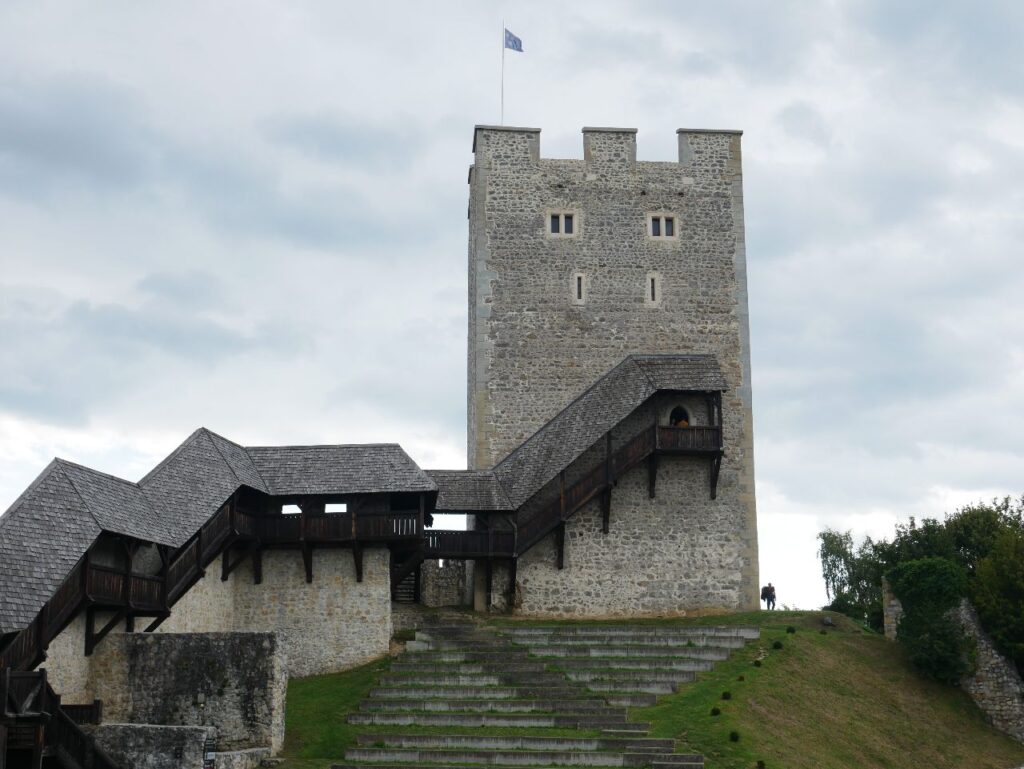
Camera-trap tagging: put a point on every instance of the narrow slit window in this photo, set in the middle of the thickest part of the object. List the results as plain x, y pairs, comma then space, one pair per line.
579, 287
654, 290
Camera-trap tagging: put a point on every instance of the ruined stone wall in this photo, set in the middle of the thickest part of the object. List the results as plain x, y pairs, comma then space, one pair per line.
331, 624
443, 585
533, 346
994, 685
235, 682
152, 747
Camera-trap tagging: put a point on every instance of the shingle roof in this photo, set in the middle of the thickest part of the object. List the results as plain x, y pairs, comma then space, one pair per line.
55, 521
360, 469
42, 536
607, 402
469, 491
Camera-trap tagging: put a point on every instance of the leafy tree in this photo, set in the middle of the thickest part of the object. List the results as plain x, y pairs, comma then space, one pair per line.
997, 592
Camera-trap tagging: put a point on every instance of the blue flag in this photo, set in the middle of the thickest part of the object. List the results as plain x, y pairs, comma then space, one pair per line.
513, 42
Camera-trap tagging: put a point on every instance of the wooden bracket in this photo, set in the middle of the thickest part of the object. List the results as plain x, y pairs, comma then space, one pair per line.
227, 565
606, 510
156, 622
307, 561
357, 556
652, 475
716, 467
92, 636
560, 546
257, 565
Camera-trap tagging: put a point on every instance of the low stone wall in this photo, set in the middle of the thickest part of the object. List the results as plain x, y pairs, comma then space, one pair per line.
995, 686
892, 611
443, 584
137, 746
235, 682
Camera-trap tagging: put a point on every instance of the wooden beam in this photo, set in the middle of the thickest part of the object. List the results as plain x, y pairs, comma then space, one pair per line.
561, 495
652, 475
257, 565
92, 636
357, 556
129, 623
152, 626
3, 746
560, 546
716, 467
38, 745
307, 561
606, 510
490, 581
512, 576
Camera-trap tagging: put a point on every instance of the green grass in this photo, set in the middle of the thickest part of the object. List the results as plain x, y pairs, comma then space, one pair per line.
845, 699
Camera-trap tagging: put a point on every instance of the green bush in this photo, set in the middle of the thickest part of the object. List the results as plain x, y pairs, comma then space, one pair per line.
726, 695
929, 588
776, 644
734, 736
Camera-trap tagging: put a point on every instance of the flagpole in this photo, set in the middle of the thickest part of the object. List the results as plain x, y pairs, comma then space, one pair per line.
502, 122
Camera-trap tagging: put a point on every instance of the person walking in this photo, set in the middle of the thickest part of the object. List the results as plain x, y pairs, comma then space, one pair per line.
771, 596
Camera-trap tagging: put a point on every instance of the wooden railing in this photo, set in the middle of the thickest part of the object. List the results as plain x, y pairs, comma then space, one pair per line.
469, 544
687, 439
105, 585
22, 693
703, 440
63, 734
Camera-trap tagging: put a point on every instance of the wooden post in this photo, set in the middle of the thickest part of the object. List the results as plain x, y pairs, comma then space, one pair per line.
652, 474
3, 746
38, 746
561, 495
357, 556
560, 546
606, 510
257, 565
420, 524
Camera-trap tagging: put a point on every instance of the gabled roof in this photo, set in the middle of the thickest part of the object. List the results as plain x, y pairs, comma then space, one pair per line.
465, 491
353, 469
607, 402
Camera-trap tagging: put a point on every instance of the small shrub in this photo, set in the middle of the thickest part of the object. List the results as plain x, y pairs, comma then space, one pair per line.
742, 678
776, 644
734, 736
716, 711
823, 631
726, 695
760, 764
790, 629
757, 663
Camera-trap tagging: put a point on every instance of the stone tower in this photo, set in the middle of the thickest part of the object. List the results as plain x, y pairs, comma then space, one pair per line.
574, 264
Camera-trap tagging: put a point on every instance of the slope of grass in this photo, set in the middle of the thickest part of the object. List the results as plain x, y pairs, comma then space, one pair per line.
844, 699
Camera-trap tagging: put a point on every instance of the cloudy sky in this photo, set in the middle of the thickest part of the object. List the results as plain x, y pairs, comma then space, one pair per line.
252, 216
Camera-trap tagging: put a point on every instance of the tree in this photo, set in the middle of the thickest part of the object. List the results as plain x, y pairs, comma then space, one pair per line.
997, 592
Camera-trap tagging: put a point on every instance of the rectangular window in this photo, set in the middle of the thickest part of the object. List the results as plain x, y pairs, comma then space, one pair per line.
563, 224
554, 224
654, 290
579, 287
568, 224
663, 226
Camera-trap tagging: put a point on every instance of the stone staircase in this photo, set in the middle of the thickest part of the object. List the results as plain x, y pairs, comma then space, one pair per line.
576, 682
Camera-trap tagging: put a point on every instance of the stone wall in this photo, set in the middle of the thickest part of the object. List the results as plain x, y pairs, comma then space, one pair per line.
135, 746
235, 682
443, 583
677, 553
533, 348
995, 685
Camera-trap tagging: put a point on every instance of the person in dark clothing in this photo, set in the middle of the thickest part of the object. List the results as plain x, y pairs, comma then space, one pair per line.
771, 597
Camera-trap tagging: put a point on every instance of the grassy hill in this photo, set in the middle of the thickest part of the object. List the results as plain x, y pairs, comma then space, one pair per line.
835, 700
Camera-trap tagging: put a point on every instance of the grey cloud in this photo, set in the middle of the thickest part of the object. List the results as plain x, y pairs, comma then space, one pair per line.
347, 141
802, 121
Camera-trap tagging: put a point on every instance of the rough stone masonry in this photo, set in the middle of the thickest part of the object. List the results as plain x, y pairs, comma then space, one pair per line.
552, 310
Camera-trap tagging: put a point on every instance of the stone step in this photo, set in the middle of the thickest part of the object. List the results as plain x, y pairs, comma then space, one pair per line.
472, 679
677, 762
634, 700
581, 631
515, 720
626, 664
516, 742
582, 650
724, 642
633, 676
451, 644
707, 654
455, 655
515, 758
550, 707
632, 687
635, 729
463, 668
475, 692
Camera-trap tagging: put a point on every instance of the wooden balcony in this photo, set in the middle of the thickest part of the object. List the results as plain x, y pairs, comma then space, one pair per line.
469, 544
689, 440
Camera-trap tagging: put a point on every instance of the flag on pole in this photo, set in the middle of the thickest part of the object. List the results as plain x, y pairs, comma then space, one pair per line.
513, 42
